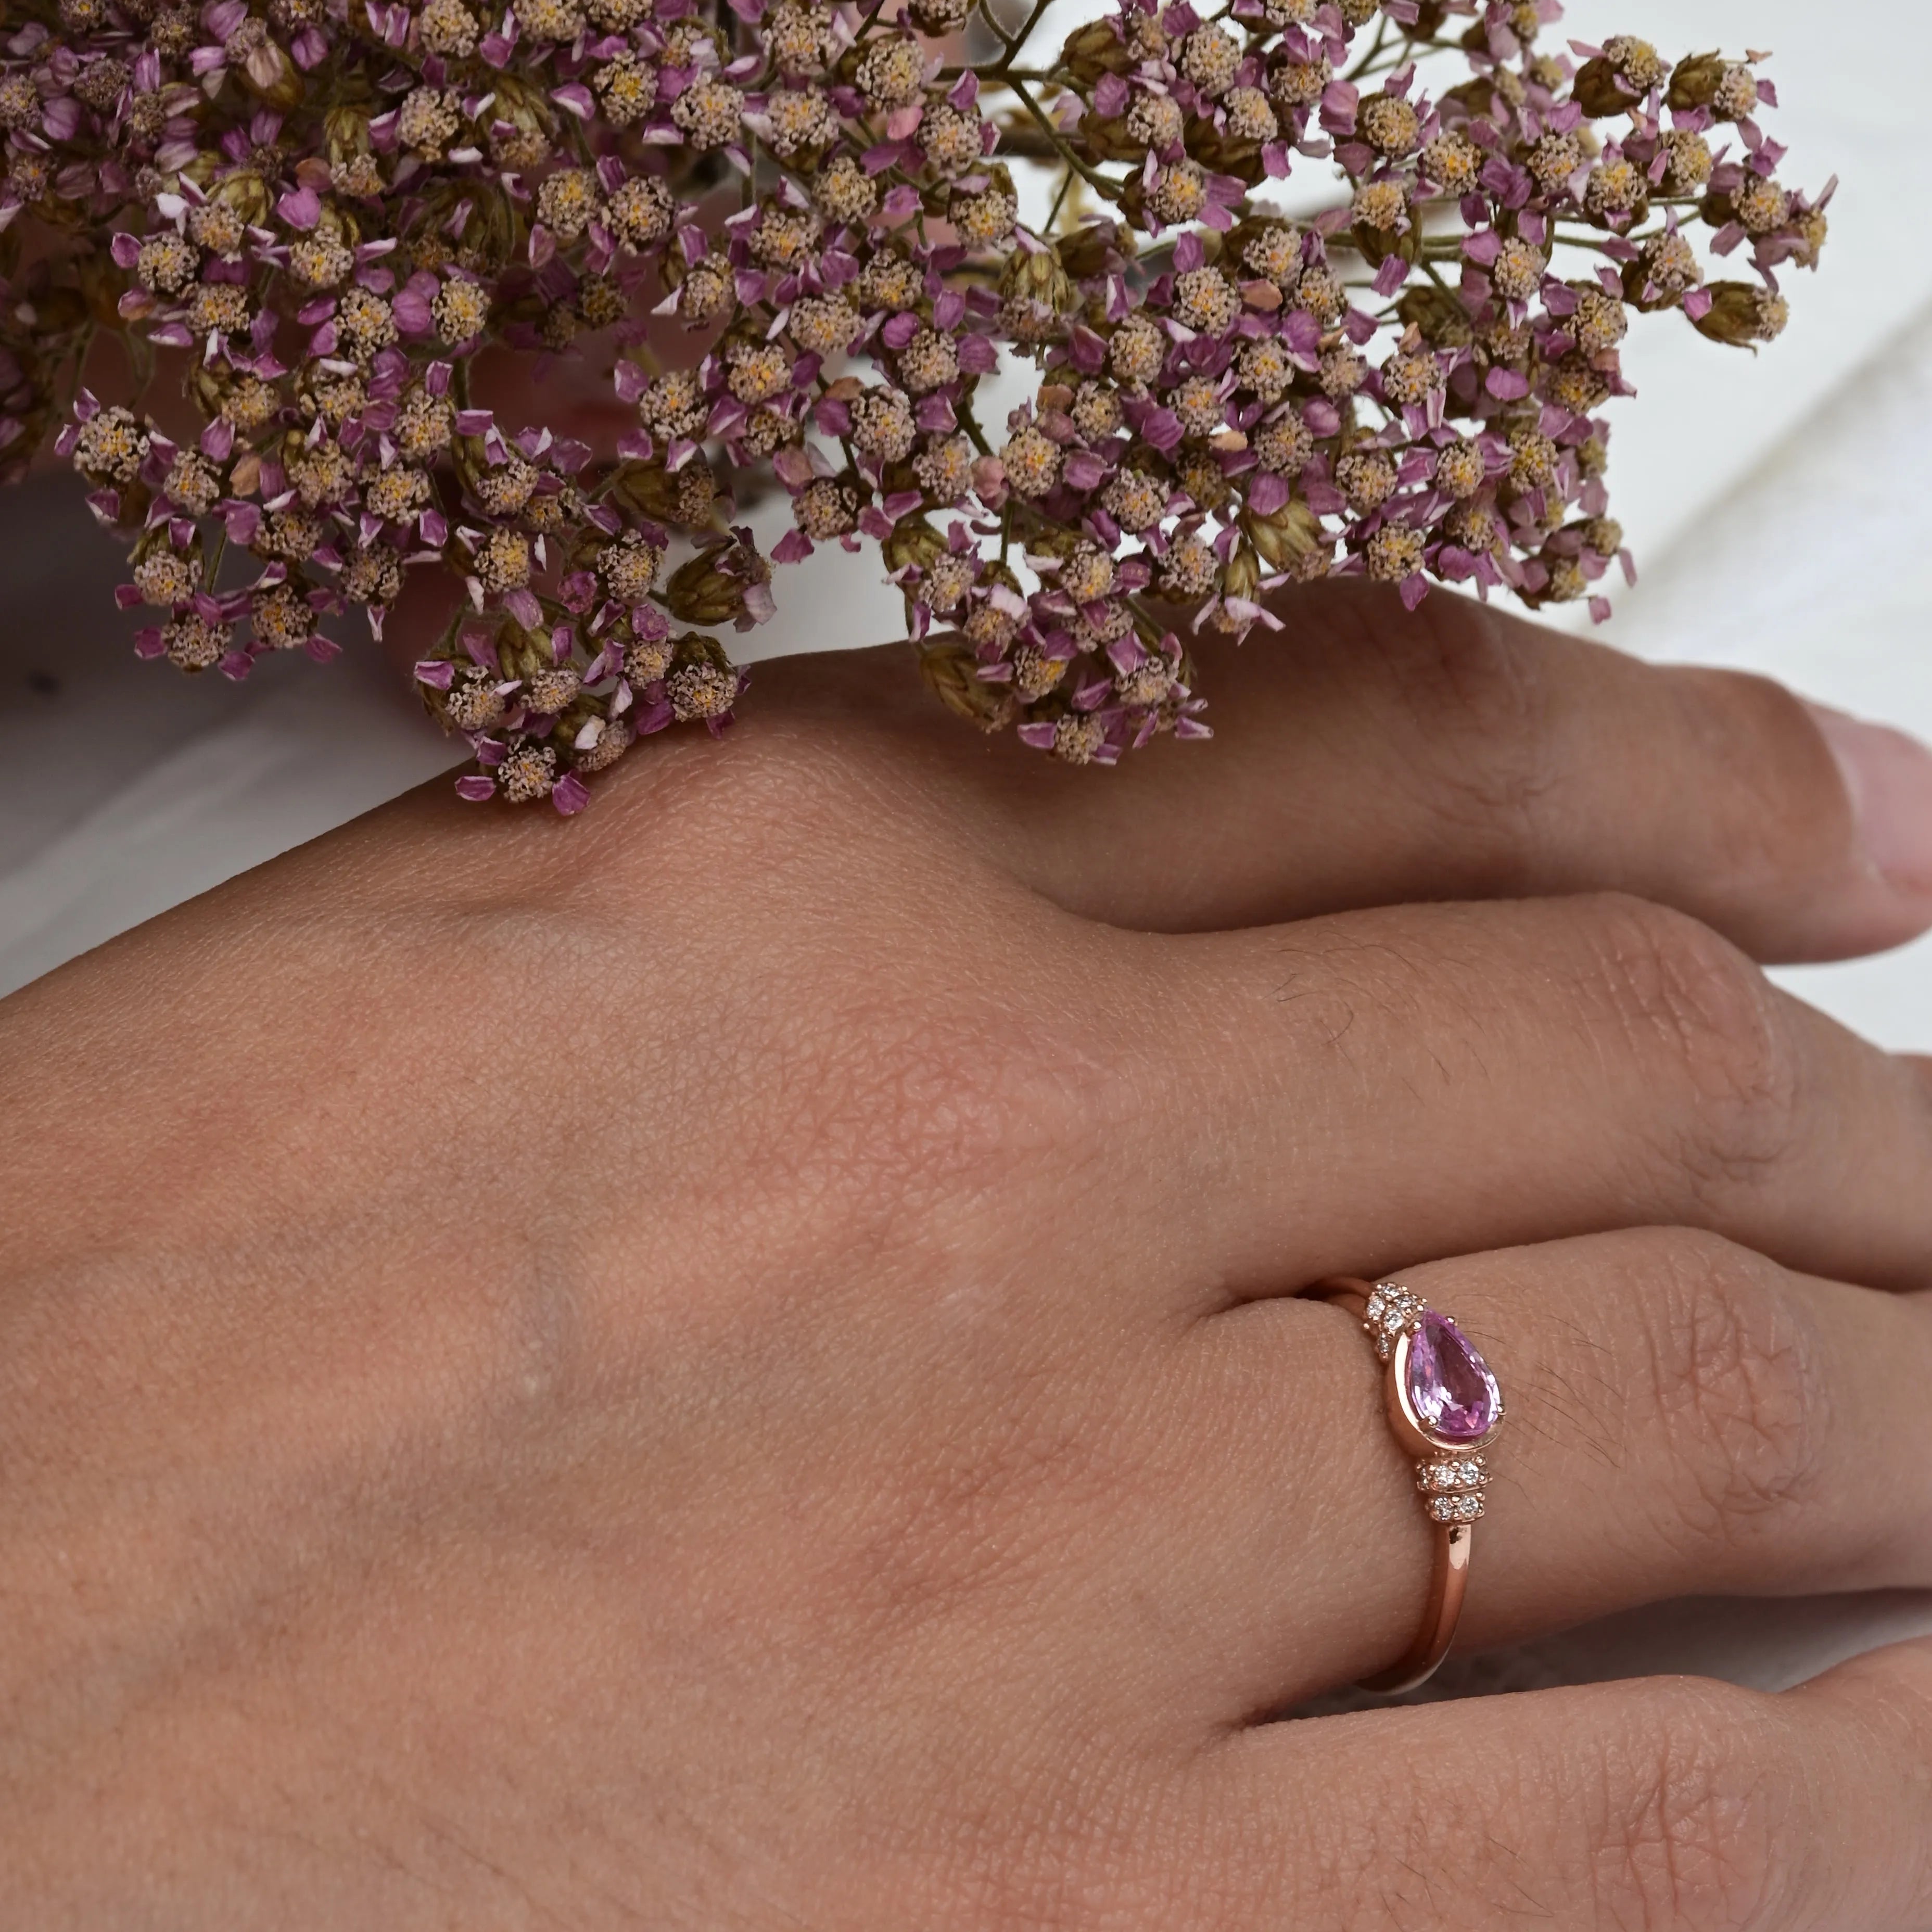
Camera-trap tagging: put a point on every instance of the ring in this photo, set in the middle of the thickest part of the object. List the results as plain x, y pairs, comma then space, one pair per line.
1445, 1409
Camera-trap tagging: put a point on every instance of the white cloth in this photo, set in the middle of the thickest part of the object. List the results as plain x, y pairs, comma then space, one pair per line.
1779, 505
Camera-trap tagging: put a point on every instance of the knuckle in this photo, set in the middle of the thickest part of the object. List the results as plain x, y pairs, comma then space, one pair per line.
1739, 1376
1481, 691
1760, 742
1695, 1819
1678, 994
889, 1014
1676, 1808
764, 793
894, 996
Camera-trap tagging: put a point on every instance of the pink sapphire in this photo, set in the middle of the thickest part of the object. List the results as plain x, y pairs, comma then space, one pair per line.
1450, 1389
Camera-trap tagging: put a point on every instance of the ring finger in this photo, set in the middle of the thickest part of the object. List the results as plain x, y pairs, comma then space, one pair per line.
1685, 1418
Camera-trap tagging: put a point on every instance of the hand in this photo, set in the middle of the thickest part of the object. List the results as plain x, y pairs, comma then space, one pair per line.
731, 1363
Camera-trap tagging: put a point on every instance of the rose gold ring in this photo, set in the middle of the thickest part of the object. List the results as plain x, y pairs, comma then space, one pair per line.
1445, 1409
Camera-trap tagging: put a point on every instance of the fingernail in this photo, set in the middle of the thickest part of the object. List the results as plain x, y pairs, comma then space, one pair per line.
1888, 777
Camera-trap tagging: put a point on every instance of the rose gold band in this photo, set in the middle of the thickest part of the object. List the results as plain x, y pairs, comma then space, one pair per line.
1450, 1472
1449, 1578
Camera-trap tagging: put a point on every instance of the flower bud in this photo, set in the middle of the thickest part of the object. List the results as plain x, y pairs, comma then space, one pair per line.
246, 194
1108, 138
702, 683
491, 232
1615, 80
699, 593
1243, 576
1037, 295
521, 120
1742, 314
1599, 92
682, 496
1694, 81
264, 70
913, 541
715, 586
1283, 536
1093, 50
949, 668
1438, 314
1087, 251
1228, 153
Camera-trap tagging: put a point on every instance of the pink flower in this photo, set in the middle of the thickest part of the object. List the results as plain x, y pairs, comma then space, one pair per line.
1226, 400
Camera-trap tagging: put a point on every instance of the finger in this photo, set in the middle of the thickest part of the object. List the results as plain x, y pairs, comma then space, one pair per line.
1355, 1094
1367, 756
1684, 1418
1661, 1805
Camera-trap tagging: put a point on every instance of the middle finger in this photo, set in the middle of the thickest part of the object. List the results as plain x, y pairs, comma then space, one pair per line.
1369, 757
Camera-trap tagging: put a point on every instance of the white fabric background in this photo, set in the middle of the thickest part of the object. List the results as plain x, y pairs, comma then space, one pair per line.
1779, 505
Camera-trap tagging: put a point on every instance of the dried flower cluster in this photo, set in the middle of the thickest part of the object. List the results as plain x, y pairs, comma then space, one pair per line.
793, 231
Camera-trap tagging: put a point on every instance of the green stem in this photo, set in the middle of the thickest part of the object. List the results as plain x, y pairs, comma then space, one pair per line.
1108, 190
1586, 241
1003, 73
970, 423
1365, 65
1066, 180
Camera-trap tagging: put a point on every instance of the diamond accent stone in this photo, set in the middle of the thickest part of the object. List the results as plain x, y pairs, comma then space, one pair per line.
1469, 1472
1392, 1311
1455, 1509
1450, 1390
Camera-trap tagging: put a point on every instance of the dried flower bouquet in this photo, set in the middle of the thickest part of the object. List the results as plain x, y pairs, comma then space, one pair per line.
1284, 309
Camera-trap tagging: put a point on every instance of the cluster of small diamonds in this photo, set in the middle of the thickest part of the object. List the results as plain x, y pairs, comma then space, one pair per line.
789, 234
1452, 1491
1392, 1310
1467, 1472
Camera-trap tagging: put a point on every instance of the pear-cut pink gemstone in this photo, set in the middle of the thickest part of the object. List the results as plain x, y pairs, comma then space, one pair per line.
1450, 1389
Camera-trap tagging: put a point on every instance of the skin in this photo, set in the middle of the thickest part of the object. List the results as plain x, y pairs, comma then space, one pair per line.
734, 1363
